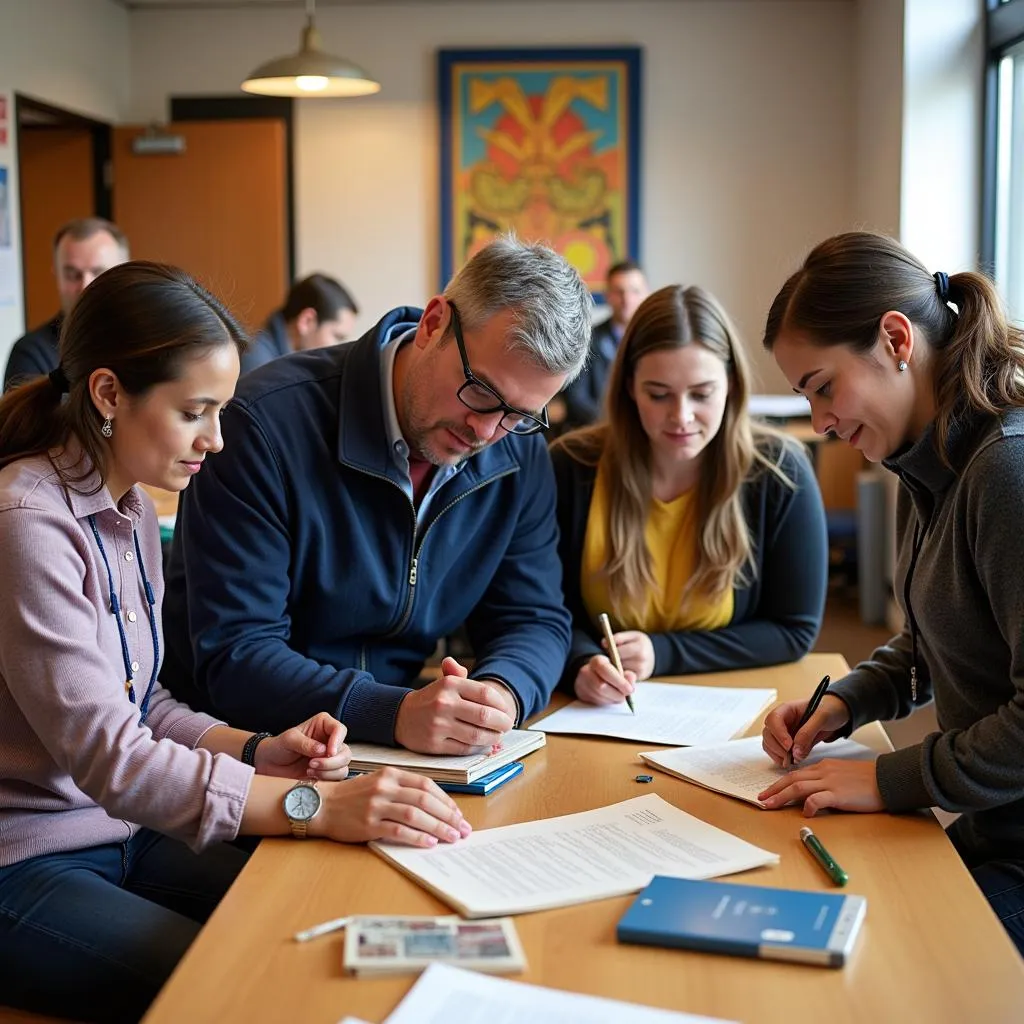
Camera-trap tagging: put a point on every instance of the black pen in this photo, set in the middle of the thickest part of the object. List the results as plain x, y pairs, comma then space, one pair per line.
812, 706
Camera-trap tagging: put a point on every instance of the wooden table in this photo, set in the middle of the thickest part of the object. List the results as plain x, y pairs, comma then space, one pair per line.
931, 949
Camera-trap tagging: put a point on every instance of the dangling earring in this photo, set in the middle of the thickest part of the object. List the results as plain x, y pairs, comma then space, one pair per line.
107, 429
901, 366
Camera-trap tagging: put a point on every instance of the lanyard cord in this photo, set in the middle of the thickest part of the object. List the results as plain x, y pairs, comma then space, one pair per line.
115, 608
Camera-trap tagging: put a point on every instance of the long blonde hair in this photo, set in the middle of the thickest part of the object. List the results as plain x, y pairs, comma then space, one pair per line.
673, 318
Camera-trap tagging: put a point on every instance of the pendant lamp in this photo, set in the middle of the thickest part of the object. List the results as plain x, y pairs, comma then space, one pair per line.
310, 72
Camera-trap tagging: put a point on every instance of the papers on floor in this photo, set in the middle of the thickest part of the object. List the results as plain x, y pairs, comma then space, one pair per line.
741, 768
396, 945
575, 858
447, 768
443, 994
671, 713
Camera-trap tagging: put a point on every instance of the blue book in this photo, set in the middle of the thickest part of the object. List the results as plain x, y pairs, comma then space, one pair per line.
486, 783
745, 920
478, 787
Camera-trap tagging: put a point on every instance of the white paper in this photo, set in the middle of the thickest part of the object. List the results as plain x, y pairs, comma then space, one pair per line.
741, 768
555, 862
671, 713
444, 994
778, 406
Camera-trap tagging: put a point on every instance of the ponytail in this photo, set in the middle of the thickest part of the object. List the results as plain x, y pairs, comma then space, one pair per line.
32, 420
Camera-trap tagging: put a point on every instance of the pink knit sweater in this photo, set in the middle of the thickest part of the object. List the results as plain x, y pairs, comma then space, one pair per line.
77, 769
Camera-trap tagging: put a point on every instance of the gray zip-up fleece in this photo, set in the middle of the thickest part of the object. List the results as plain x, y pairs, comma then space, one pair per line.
960, 581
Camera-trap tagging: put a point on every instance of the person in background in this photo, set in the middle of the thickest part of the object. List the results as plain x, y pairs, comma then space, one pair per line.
699, 532
318, 311
82, 250
372, 498
923, 373
116, 801
584, 397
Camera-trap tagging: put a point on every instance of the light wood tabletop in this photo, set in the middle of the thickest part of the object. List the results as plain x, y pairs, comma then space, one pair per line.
930, 950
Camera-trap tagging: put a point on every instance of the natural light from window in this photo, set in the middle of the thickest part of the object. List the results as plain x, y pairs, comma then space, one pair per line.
1009, 254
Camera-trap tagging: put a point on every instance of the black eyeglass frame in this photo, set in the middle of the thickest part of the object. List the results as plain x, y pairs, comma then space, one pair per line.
532, 424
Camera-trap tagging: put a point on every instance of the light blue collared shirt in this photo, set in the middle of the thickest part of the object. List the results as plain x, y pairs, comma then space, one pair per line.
397, 444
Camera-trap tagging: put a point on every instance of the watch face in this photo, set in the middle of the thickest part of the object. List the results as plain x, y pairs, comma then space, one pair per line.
301, 803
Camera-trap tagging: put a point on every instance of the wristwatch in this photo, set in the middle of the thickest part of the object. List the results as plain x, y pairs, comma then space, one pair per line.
302, 804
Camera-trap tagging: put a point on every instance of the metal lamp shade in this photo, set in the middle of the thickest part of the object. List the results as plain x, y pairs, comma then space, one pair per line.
310, 73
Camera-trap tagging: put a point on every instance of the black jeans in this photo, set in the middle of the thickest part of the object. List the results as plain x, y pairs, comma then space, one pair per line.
93, 934
1002, 882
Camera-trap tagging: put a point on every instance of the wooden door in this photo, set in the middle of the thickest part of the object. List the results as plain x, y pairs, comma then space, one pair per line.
56, 170
218, 210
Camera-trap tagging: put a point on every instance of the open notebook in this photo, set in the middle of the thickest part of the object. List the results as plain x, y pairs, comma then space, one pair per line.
444, 767
741, 768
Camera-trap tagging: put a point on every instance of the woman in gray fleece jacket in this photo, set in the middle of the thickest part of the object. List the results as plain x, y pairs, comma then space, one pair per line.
923, 373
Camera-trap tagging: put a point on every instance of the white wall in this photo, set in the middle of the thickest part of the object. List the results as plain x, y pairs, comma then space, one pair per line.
71, 54
749, 130
879, 137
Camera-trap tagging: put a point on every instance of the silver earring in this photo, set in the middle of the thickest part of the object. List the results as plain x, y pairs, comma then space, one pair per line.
108, 427
901, 365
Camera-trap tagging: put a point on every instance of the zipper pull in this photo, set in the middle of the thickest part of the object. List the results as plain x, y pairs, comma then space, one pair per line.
913, 684
412, 572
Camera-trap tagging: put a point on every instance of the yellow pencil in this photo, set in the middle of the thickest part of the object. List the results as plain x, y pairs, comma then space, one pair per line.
614, 652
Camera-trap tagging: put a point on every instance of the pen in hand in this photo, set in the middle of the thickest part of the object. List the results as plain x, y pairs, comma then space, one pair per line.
817, 850
812, 706
613, 652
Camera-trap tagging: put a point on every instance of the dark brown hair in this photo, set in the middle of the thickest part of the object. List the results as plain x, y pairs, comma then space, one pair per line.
849, 282
143, 322
673, 318
324, 295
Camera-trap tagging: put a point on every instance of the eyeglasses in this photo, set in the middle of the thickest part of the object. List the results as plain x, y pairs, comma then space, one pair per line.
482, 398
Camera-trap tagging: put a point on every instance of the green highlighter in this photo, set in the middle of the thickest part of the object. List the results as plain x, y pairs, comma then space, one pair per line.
823, 857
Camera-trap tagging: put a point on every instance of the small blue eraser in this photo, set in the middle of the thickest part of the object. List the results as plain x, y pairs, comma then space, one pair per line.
645, 778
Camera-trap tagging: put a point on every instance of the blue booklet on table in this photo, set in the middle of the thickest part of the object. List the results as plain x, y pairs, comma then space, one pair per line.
745, 920
478, 787
486, 783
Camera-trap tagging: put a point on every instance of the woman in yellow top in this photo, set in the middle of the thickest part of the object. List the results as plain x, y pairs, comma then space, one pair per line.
699, 532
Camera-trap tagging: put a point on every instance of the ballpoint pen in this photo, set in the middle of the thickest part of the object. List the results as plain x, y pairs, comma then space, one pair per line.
321, 929
812, 706
822, 856
613, 651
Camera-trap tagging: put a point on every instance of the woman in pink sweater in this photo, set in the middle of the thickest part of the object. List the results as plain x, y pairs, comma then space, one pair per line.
116, 801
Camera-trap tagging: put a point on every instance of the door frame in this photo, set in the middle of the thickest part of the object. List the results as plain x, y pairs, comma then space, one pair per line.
243, 108
59, 117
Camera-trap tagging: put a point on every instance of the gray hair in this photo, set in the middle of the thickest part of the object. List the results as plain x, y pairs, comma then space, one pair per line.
551, 303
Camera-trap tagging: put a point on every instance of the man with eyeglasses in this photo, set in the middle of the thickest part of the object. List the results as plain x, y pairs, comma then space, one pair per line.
373, 497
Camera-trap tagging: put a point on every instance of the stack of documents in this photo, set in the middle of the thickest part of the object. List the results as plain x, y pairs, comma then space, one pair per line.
670, 713
445, 767
445, 994
741, 768
395, 945
575, 858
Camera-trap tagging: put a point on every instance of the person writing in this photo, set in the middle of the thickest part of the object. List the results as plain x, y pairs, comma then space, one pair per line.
923, 373
699, 531
116, 801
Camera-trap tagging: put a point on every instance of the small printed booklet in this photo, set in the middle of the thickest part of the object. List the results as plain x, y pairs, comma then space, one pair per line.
396, 945
745, 920
463, 769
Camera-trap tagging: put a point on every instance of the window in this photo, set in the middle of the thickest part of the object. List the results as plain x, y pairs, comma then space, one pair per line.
1003, 214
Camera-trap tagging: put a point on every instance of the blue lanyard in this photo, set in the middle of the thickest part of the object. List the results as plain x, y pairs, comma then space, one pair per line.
115, 607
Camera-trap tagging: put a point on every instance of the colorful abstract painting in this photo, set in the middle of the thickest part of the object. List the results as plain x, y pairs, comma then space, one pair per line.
545, 143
